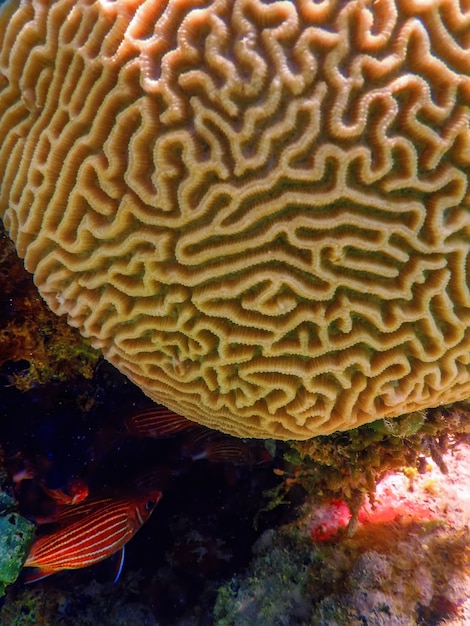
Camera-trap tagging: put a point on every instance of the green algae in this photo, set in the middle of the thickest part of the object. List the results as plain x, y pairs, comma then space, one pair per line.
16, 535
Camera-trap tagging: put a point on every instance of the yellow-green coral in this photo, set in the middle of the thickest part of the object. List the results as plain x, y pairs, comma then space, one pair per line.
348, 465
30, 332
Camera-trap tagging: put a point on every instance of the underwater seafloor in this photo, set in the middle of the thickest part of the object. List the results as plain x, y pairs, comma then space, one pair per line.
371, 529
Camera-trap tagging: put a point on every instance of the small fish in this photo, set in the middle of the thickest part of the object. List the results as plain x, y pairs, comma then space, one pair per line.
105, 529
76, 492
218, 448
157, 422
200, 443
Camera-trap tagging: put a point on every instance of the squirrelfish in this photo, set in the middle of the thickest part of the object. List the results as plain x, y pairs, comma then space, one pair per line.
102, 531
200, 442
157, 422
218, 448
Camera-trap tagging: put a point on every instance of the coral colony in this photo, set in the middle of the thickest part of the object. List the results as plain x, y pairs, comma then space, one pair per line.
258, 212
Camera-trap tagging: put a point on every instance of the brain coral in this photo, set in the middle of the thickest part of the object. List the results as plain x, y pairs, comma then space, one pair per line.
259, 211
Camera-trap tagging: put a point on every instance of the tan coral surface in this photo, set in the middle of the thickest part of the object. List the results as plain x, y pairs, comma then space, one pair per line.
259, 211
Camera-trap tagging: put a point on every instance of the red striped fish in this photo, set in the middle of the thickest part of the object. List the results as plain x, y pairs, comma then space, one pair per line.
105, 529
200, 442
218, 448
157, 422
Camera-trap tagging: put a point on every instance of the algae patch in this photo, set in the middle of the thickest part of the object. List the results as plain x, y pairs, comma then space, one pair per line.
16, 534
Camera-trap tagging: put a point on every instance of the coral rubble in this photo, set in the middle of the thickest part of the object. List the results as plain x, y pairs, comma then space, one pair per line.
393, 571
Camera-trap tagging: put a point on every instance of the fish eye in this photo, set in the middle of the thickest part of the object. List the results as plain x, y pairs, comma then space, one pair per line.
149, 505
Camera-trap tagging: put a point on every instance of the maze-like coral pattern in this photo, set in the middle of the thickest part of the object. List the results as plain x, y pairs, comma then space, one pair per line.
259, 211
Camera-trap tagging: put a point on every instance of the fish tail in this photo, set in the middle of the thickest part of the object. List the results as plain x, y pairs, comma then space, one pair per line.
37, 574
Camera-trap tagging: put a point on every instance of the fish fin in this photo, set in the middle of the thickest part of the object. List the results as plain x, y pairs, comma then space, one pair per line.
75, 492
57, 495
120, 564
37, 574
70, 513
